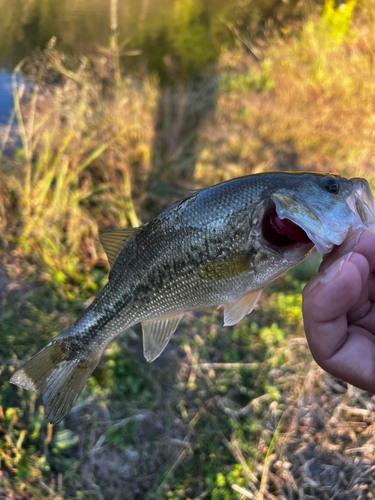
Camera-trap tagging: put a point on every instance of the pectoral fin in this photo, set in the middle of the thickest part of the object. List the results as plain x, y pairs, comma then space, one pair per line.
156, 335
114, 241
234, 312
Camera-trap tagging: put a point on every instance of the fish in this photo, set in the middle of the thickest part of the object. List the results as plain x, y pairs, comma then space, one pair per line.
218, 246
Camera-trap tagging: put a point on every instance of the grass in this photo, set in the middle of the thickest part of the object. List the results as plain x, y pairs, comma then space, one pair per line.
309, 104
225, 413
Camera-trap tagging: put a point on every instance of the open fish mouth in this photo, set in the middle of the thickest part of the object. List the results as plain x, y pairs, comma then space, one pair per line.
289, 222
281, 234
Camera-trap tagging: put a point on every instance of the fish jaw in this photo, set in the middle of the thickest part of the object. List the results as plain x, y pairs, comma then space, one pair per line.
321, 229
330, 222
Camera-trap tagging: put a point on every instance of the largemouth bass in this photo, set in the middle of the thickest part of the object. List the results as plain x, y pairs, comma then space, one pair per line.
218, 246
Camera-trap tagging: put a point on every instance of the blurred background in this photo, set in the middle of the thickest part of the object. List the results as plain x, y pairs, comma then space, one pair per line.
110, 110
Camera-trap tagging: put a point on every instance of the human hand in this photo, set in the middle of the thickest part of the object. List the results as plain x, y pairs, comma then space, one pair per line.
338, 308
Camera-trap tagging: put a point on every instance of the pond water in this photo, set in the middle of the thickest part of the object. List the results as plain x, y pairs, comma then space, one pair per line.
6, 101
174, 39
190, 29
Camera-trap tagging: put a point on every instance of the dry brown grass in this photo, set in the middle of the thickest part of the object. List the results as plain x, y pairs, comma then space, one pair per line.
225, 413
309, 105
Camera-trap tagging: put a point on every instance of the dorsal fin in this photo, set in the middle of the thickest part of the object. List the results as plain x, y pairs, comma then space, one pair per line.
156, 335
234, 312
114, 241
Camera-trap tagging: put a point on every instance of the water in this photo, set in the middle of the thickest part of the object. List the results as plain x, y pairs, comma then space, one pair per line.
176, 40
6, 99
183, 29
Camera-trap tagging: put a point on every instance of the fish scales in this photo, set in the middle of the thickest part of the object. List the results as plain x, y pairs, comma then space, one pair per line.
218, 246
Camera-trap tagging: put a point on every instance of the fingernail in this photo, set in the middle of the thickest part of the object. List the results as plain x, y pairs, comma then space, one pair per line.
335, 269
351, 242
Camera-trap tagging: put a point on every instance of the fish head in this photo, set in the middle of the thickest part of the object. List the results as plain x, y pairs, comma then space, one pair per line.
314, 209
362, 203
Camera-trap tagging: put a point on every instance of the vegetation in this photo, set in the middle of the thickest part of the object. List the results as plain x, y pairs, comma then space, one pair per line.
225, 413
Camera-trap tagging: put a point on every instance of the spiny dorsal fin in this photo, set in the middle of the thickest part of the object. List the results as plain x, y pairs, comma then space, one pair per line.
114, 241
225, 267
234, 312
156, 335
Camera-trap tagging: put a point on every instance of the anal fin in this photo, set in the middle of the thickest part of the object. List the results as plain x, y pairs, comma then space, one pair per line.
235, 311
156, 335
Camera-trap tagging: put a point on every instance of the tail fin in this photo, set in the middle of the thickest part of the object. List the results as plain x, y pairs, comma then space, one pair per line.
57, 377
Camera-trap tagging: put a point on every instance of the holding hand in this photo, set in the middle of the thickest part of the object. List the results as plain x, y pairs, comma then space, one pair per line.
339, 312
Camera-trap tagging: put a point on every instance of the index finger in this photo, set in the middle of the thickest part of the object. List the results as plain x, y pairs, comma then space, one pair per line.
361, 241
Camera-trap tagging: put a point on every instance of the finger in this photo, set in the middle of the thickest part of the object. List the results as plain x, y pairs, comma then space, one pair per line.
360, 309
361, 263
371, 287
367, 322
365, 246
338, 251
326, 301
362, 305
368, 279
354, 361
362, 241
347, 353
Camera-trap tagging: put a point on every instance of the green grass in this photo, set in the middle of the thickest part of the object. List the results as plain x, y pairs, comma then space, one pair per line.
225, 413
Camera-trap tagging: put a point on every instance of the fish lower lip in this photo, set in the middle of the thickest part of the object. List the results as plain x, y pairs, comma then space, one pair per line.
281, 234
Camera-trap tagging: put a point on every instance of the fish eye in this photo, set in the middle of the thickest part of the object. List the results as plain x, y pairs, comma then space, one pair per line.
331, 185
